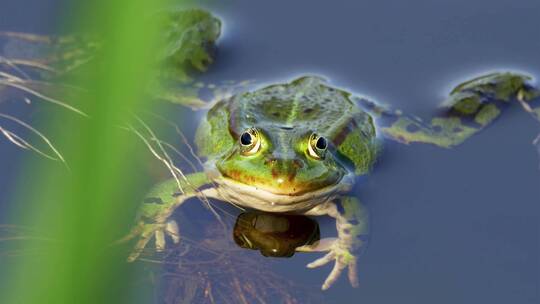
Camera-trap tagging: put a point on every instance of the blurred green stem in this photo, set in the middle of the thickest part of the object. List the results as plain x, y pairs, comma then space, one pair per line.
89, 206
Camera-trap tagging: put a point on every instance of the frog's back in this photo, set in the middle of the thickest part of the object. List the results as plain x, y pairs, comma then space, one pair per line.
305, 102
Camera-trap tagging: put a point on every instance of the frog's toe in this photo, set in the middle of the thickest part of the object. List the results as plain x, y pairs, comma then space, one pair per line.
159, 232
330, 256
160, 240
145, 237
343, 259
171, 228
334, 274
341, 263
336, 271
353, 273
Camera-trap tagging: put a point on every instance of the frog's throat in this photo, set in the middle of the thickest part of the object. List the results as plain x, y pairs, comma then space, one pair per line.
254, 197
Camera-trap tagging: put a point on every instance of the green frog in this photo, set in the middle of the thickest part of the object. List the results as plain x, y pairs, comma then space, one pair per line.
297, 147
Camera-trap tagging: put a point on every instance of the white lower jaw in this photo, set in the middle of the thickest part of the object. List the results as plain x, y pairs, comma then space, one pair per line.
257, 198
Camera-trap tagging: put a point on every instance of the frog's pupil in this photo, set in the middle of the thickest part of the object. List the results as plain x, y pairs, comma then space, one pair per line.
246, 139
321, 143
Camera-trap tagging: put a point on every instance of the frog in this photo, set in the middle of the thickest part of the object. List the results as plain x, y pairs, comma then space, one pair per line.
299, 146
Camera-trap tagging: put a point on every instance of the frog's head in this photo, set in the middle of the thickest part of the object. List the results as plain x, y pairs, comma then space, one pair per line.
289, 139
282, 160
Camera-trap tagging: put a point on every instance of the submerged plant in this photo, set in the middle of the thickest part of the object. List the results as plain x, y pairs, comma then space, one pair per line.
213, 269
21, 79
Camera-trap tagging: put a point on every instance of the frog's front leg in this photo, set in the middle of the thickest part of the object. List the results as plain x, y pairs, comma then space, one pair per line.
352, 226
153, 216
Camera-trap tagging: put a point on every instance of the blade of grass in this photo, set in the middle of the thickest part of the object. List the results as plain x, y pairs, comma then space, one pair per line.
92, 204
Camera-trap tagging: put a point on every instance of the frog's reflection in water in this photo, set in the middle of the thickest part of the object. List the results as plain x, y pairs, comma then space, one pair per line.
208, 267
275, 235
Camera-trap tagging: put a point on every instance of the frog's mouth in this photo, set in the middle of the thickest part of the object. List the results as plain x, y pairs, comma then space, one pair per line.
283, 180
266, 200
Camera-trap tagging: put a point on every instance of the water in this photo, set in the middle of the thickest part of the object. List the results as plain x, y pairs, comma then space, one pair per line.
31, 16
448, 226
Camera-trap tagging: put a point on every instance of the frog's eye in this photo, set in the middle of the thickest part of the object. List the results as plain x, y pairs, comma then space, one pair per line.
317, 146
250, 141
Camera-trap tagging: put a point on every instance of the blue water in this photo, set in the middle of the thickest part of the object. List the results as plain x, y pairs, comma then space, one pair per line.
448, 226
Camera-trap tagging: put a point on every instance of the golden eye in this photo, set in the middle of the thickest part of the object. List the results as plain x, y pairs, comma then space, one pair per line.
317, 146
250, 141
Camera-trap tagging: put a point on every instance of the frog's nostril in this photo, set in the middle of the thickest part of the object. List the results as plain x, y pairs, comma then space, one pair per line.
271, 161
285, 163
297, 164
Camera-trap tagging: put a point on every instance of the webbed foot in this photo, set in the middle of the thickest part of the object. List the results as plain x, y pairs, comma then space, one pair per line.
145, 231
341, 254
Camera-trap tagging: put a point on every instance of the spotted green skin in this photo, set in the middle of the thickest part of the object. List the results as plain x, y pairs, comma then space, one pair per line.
286, 115
471, 107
